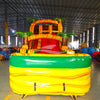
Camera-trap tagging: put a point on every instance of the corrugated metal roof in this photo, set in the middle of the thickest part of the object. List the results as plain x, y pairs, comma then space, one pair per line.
80, 14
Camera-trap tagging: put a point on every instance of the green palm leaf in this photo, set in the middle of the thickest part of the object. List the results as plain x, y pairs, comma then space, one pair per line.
60, 19
24, 34
20, 33
64, 34
60, 33
28, 33
63, 19
32, 19
69, 34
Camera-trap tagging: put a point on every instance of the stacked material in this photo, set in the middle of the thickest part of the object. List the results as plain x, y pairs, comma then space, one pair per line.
52, 74
89, 50
2, 57
84, 45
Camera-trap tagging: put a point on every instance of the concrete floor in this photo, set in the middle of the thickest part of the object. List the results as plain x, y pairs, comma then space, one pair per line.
5, 91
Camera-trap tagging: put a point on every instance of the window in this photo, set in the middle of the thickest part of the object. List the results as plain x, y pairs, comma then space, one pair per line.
84, 37
55, 27
93, 34
36, 29
45, 27
72, 38
88, 37
9, 41
16, 40
2, 40
80, 38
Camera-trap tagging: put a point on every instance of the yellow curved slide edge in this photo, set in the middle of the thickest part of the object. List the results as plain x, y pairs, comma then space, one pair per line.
50, 55
48, 36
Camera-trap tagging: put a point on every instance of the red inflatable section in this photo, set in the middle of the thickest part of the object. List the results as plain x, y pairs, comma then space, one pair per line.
95, 53
49, 46
35, 43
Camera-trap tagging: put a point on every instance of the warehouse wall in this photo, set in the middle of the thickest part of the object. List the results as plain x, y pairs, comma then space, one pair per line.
95, 42
97, 34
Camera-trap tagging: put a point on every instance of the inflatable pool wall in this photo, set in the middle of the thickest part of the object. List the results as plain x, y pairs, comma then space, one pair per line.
50, 74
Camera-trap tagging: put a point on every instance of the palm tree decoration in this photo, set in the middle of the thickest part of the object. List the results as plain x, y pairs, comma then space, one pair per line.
25, 36
60, 19
65, 37
32, 19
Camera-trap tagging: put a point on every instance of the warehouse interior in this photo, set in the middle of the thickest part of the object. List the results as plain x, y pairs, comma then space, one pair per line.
81, 17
